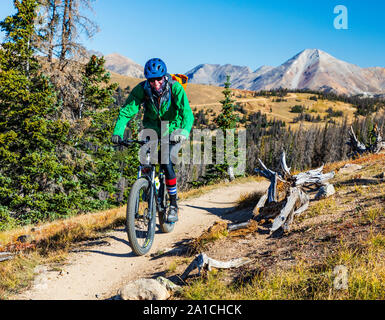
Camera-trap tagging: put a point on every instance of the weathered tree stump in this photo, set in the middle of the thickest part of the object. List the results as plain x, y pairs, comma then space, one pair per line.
357, 148
286, 197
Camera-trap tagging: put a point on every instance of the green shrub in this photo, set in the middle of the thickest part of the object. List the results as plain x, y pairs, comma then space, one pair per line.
297, 109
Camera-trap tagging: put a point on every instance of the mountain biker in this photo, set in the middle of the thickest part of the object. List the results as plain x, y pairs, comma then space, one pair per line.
164, 100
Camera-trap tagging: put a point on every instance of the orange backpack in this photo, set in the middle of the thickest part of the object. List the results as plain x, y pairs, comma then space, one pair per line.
181, 78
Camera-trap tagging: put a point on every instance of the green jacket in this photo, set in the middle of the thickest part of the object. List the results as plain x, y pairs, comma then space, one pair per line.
178, 112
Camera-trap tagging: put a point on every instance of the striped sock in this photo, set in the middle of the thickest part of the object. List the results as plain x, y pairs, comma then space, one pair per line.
171, 187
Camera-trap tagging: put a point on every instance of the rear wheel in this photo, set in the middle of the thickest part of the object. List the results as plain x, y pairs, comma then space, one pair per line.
165, 226
140, 222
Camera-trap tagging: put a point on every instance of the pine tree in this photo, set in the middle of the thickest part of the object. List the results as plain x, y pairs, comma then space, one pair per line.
226, 120
97, 93
30, 171
100, 111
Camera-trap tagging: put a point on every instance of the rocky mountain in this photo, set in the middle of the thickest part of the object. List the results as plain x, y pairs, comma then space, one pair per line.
124, 66
310, 69
215, 74
247, 78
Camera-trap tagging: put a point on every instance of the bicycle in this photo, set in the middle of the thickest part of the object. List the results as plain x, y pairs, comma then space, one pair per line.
148, 195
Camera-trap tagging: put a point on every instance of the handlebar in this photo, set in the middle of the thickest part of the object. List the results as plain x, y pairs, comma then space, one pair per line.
127, 143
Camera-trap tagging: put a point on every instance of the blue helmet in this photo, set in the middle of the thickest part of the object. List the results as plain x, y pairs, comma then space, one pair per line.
155, 68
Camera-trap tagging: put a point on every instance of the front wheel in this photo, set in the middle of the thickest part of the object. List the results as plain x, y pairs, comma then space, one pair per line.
140, 223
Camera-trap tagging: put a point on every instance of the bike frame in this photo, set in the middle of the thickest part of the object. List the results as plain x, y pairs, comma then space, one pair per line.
148, 171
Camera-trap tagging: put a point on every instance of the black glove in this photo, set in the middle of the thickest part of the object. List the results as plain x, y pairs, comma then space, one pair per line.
116, 139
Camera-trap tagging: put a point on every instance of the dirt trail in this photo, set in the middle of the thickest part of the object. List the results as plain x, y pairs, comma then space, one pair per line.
98, 270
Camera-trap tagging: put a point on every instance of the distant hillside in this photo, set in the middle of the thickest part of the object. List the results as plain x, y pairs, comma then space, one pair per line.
123, 66
310, 69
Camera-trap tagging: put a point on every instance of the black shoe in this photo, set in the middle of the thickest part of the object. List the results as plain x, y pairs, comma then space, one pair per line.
172, 215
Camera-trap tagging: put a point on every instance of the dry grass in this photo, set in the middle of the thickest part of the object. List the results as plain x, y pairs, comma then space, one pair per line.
280, 110
355, 241
64, 232
248, 199
176, 263
18, 273
322, 207
365, 278
376, 160
47, 244
215, 232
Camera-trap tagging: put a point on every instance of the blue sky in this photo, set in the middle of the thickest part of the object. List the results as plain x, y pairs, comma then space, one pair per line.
244, 32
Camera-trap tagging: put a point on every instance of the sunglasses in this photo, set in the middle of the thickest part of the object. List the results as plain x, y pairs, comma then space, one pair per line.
152, 80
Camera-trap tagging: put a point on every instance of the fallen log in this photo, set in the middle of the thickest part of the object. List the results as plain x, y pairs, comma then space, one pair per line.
5, 256
288, 210
203, 261
313, 177
237, 226
305, 201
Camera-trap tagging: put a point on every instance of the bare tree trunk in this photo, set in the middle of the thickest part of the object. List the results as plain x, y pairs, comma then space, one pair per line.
66, 29
52, 24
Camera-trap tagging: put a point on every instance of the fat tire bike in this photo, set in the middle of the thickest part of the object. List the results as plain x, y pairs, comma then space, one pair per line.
148, 196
